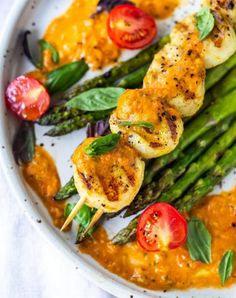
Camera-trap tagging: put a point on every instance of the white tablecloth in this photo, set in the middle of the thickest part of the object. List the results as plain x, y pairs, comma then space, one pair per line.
29, 266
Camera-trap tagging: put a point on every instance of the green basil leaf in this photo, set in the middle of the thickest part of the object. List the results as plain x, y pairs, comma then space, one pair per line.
205, 22
84, 215
103, 144
62, 78
96, 99
82, 218
199, 241
44, 45
226, 266
24, 143
144, 124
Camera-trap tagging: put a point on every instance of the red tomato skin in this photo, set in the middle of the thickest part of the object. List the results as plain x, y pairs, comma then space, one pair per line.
161, 208
27, 98
131, 12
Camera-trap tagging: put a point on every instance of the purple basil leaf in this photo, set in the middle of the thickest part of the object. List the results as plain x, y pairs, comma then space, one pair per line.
107, 5
99, 128
24, 143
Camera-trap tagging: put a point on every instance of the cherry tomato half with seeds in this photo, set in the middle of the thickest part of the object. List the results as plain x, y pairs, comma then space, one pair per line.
27, 98
161, 227
130, 27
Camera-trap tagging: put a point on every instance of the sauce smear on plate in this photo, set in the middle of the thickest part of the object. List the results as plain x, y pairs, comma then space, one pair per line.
158, 9
76, 34
41, 174
174, 268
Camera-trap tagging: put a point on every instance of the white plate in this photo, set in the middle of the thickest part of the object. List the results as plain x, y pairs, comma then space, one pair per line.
23, 16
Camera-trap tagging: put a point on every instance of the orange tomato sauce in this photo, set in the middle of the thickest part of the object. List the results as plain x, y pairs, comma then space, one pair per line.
76, 35
158, 8
172, 269
41, 174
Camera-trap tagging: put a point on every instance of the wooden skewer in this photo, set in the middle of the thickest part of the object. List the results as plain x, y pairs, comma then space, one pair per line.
95, 218
73, 213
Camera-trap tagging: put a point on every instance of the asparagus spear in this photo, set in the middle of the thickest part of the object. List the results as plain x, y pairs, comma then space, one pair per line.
223, 107
228, 84
202, 187
135, 79
127, 234
206, 184
70, 125
58, 115
215, 74
152, 191
66, 191
198, 168
121, 70
76, 123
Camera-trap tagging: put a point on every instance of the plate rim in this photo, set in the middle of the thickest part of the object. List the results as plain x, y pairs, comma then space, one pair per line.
17, 189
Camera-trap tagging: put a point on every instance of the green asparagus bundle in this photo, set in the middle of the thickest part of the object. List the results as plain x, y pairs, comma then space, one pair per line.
207, 183
198, 168
152, 191
200, 189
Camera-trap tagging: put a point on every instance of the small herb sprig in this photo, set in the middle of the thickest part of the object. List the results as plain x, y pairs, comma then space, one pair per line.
143, 124
103, 145
205, 22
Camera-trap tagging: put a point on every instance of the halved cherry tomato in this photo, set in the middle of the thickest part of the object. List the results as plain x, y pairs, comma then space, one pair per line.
27, 98
161, 227
131, 28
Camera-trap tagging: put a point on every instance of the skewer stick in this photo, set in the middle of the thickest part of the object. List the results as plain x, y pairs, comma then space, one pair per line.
95, 218
73, 213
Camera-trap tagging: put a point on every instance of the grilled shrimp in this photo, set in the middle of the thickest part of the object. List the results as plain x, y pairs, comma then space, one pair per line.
178, 72
109, 181
152, 127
